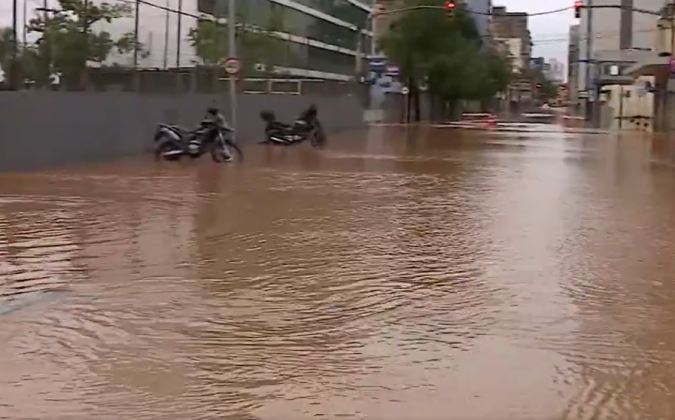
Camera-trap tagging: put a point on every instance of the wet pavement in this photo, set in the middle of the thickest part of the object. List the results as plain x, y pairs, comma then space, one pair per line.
427, 275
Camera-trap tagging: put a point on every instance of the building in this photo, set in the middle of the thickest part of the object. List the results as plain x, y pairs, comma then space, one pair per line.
511, 29
653, 73
613, 30
555, 71
481, 15
323, 37
514, 48
573, 66
513, 25
537, 63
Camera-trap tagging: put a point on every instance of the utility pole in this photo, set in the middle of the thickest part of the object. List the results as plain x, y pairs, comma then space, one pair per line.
232, 48
25, 23
47, 41
166, 36
137, 22
85, 35
178, 35
589, 45
14, 68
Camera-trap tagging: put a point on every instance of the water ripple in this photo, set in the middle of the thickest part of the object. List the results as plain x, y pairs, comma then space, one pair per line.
456, 275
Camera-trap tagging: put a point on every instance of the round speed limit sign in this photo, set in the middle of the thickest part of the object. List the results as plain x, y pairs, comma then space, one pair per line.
232, 65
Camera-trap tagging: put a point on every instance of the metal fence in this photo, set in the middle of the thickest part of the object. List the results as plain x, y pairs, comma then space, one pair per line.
165, 46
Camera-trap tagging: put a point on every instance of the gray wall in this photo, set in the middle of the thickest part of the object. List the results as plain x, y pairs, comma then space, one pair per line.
44, 129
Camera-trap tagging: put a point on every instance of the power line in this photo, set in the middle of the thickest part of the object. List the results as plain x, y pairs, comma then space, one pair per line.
548, 12
535, 41
604, 35
183, 13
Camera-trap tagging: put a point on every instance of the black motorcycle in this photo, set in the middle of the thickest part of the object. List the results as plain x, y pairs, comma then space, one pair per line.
306, 127
173, 142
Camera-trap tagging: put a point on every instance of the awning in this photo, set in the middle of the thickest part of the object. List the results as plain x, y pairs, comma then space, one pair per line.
648, 66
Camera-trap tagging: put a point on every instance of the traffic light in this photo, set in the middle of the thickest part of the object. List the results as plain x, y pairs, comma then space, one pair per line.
450, 9
577, 9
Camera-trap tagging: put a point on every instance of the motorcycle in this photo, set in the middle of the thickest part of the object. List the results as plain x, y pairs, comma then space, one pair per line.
306, 127
173, 142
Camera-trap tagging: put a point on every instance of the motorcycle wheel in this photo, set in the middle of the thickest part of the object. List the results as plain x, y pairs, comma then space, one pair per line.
194, 153
220, 151
318, 137
163, 148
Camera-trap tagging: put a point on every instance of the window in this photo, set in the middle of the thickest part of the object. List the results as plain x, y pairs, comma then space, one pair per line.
206, 6
340, 9
312, 58
217, 8
259, 12
298, 55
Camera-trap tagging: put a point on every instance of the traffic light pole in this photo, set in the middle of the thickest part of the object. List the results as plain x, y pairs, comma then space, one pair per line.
589, 45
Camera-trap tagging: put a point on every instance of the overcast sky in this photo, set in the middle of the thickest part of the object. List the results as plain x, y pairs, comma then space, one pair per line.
549, 31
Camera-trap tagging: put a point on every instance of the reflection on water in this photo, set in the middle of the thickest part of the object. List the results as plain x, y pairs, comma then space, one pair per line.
398, 274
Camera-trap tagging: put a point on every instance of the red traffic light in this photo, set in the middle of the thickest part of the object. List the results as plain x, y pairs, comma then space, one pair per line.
578, 4
577, 9
449, 5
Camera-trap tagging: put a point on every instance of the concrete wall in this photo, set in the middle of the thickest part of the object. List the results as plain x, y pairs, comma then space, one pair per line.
44, 129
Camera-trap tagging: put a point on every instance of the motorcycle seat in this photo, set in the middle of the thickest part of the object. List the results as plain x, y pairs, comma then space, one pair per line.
178, 128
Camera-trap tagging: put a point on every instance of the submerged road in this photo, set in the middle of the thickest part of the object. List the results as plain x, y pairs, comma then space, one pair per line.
423, 275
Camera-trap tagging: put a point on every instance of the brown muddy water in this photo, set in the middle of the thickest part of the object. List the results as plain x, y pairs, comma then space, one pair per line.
422, 275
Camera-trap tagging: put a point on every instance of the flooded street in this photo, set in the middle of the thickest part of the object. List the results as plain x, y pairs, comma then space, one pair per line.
428, 275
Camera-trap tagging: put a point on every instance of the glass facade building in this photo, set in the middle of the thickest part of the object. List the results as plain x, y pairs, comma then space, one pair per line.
320, 35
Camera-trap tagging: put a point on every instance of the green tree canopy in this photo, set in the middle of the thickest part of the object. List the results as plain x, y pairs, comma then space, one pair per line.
447, 55
6, 49
545, 89
255, 44
67, 41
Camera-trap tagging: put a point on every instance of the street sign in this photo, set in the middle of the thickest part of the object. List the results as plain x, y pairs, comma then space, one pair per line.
232, 65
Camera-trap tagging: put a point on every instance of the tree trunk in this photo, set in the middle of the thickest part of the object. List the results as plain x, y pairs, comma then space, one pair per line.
452, 109
416, 98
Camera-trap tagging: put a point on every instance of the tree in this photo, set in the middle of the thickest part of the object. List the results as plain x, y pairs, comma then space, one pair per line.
27, 55
256, 45
447, 55
67, 41
6, 50
545, 89
209, 39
